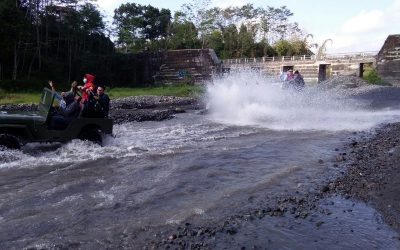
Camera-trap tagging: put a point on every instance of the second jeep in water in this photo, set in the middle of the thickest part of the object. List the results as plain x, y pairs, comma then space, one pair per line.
17, 128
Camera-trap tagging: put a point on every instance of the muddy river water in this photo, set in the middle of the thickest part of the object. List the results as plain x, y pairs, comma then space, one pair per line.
199, 165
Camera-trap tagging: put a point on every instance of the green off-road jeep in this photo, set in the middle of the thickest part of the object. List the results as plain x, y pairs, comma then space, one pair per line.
18, 128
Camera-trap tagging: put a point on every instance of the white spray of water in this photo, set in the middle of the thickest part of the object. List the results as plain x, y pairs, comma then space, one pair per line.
131, 140
249, 99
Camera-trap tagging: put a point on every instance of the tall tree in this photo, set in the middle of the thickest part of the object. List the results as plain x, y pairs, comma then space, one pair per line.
246, 42
197, 12
215, 41
14, 35
40, 35
231, 39
136, 24
183, 34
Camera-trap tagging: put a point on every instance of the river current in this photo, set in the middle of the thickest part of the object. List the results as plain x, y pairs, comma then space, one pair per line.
254, 137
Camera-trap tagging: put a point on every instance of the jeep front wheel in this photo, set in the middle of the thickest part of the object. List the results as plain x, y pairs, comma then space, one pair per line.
9, 141
92, 135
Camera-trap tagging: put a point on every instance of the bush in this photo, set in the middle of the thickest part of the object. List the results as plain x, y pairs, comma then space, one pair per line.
371, 76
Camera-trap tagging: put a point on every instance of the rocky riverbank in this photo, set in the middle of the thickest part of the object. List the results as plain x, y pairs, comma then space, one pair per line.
368, 172
135, 108
373, 173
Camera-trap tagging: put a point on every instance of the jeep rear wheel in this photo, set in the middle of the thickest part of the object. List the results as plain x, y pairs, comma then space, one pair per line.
9, 141
92, 135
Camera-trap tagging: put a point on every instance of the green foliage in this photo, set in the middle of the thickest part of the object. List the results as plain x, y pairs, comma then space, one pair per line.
246, 42
283, 48
231, 40
91, 20
371, 76
169, 89
216, 41
137, 23
7, 97
183, 35
42, 41
232, 32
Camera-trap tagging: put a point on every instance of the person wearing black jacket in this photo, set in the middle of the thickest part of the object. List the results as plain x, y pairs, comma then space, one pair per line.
103, 100
98, 104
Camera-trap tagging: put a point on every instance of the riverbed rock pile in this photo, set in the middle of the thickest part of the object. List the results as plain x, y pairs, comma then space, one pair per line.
134, 108
147, 102
150, 108
348, 85
343, 82
18, 107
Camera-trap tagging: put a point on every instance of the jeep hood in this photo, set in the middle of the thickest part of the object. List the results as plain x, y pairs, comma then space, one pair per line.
20, 116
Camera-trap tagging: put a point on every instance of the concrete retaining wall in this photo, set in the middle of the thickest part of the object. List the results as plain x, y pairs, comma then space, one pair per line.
388, 60
312, 70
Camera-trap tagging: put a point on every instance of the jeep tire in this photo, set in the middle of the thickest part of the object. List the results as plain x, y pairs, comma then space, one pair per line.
92, 135
9, 141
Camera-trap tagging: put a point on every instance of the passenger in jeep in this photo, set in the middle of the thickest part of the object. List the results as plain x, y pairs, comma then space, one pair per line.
62, 117
104, 101
67, 96
97, 105
87, 87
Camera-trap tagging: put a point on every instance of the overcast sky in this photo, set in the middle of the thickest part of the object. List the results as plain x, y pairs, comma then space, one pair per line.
353, 25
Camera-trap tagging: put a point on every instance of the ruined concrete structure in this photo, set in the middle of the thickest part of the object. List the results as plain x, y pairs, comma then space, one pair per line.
388, 60
189, 65
198, 65
312, 68
315, 69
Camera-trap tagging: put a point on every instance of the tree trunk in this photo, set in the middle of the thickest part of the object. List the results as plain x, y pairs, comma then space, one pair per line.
58, 43
31, 64
38, 42
69, 61
15, 68
24, 57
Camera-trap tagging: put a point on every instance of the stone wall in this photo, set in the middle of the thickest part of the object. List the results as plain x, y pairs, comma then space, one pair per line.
313, 70
189, 65
388, 60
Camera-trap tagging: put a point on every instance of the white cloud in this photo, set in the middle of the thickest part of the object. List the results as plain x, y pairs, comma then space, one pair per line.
365, 21
229, 3
104, 4
366, 31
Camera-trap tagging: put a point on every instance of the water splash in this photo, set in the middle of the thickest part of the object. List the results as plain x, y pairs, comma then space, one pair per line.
250, 99
131, 140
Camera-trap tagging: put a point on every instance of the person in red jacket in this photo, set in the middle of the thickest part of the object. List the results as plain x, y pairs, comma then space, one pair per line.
87, 87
